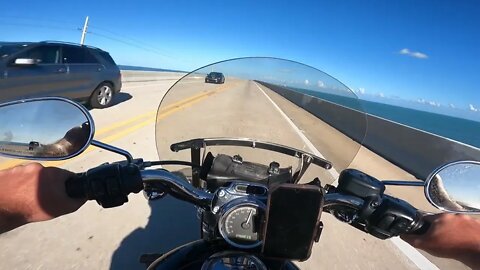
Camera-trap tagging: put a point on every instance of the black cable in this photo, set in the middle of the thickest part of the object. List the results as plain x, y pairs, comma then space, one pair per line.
173, 162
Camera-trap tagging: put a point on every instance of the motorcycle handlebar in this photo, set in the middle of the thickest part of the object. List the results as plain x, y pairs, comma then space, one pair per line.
336, 199
183, 190
110, 185
177, 187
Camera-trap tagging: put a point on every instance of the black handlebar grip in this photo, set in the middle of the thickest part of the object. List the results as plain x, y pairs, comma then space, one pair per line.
76, 186
422, 228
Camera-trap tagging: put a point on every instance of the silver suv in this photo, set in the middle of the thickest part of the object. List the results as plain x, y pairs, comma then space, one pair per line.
82, 73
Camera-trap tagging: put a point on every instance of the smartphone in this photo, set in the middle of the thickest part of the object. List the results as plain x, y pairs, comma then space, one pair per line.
293, 221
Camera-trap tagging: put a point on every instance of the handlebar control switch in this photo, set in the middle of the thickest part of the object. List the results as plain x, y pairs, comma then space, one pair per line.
392, 218
381, 215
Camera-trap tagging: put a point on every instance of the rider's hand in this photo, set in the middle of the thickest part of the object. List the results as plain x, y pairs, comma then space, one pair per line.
450, 236
33, 193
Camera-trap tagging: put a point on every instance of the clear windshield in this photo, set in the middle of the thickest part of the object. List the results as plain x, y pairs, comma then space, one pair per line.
268, 100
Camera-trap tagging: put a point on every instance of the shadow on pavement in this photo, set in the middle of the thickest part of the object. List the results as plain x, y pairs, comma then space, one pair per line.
171, 224
121, 97
117, 99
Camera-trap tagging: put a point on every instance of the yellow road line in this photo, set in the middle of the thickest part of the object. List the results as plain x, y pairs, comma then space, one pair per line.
150, 113
123, 123
144, 115
129, 130
11, 163
170, 109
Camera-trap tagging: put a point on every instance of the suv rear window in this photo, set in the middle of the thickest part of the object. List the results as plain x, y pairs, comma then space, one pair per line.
107, 57
77, 55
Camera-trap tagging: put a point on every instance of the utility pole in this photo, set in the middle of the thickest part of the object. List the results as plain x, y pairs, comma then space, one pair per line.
84, 31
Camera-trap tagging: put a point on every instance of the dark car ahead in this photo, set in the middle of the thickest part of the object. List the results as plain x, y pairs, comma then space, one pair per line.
32, 145
34, 69
215, 77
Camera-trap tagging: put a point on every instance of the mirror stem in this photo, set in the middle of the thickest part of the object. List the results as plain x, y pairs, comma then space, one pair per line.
404, 183
113, 149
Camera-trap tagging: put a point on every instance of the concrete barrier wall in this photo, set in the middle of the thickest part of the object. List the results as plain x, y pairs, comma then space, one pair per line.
149, 76
413, 150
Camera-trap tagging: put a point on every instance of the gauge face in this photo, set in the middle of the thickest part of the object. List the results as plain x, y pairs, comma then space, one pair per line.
238, 226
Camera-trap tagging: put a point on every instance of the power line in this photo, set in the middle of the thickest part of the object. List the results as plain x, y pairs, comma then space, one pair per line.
114, 36
133, 40
37, 26
38, 19
139, 45
129, 43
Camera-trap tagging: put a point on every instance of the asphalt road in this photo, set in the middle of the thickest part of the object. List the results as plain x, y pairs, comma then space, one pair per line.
96, 238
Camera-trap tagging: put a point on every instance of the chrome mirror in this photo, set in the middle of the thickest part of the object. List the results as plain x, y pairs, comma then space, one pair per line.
455, 187
25, 62
44, 129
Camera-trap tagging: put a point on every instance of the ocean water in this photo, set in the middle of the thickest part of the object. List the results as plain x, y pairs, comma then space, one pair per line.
125, 67
458, 129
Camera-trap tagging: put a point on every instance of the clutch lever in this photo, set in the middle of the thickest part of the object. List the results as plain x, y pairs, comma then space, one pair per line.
177, 187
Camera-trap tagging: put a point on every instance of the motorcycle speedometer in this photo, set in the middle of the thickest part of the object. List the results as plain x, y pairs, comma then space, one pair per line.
239, 224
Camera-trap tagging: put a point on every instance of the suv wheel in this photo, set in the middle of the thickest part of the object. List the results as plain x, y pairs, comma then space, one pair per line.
102, 97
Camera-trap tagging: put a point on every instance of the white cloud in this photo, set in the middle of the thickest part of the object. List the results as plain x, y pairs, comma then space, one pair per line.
472, 108
381, 95
361, 90
419, 55
8, 136
421, 100
413, 54
307, 82
321, 84
451, 106
433, 103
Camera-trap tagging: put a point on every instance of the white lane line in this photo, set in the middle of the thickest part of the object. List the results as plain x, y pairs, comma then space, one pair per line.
410, 252
131, 85
307, 142
413, 254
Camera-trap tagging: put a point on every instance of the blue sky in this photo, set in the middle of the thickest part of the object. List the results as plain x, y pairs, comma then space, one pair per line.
422, 51
33, 125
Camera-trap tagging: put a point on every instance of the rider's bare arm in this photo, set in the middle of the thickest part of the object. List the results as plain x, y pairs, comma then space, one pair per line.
33, 193
451, 236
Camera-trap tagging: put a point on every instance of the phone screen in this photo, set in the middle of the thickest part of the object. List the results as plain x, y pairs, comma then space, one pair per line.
293, 218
